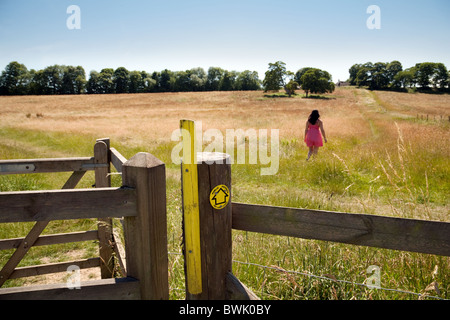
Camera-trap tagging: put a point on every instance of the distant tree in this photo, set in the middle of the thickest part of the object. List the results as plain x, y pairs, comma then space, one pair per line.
198, 79
121, 80
228, 81
353, 71
276, 77
105, 82
166, 81
379, 78
154, 80
317, 81
405, 78
74, 80
15, 79
291, 87
213, 78
299, 74
136, 83
93, 83
183, 81
424, 73
392, 69
248, 80
53, 79
440, 76
364, 74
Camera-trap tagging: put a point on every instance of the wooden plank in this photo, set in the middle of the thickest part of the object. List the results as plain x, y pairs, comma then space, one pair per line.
38, 270
105, 289
146, 234
117, 159
215, 228
67, 204
423, 236
236, 290
20, 252
73, 180
50, 239
105, 234
191, 216
47, 165
119, 250
32, 236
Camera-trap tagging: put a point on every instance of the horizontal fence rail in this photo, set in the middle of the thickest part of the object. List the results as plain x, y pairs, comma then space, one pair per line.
45, 240
26, 206
105, 289
422, 236
49, 165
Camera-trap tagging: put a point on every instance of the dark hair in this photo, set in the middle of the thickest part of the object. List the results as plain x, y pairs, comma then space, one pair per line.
313, 117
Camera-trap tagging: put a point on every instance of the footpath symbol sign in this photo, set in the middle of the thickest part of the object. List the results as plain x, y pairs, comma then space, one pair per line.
219, 197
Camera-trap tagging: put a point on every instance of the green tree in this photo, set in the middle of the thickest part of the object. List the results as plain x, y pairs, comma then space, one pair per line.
121, 80
198, 79
424, 73
392, 69
183, 81
291, 87
166, 81
73, 80
379, 78
276, 77
15, 79
299, 74
213, 78
248, 80
136, 83
440, 76
105, 82
228, 81
93, 82
53, 79
353, 71
405, 78
317, 81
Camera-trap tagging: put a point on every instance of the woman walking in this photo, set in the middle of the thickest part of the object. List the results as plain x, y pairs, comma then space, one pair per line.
313, 138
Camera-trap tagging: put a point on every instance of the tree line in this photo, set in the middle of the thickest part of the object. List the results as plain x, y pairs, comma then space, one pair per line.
311, 80
390, 75
16, 79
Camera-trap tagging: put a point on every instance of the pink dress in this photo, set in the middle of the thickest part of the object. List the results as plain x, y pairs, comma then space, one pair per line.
313, 136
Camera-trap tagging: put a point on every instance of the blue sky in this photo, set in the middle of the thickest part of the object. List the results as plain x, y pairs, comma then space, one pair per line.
235, 35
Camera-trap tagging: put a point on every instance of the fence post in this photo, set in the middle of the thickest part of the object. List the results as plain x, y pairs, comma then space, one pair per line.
105, 232
146, 233
215, 225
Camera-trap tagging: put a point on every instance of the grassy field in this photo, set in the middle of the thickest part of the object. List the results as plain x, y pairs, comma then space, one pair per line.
380, 159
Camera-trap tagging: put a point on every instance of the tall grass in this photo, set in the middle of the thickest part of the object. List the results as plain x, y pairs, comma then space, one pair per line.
372, 166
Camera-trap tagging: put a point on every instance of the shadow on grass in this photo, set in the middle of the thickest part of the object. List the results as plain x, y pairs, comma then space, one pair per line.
302, 96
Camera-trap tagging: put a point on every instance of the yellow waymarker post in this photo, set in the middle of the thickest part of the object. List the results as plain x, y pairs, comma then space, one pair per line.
191, 208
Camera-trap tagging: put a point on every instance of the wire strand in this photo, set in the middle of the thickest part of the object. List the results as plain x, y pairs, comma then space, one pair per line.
279, 269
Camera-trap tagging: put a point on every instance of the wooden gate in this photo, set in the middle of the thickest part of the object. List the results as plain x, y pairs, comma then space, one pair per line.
141, 202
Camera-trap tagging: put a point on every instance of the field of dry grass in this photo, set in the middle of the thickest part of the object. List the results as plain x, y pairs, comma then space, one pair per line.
379, 159
144, 117
152, 117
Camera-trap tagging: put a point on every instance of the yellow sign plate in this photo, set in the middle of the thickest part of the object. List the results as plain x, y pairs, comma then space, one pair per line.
219, 197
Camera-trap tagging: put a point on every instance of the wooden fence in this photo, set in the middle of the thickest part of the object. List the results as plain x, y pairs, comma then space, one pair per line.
209, 216
141, 202
215, 228
218, 282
